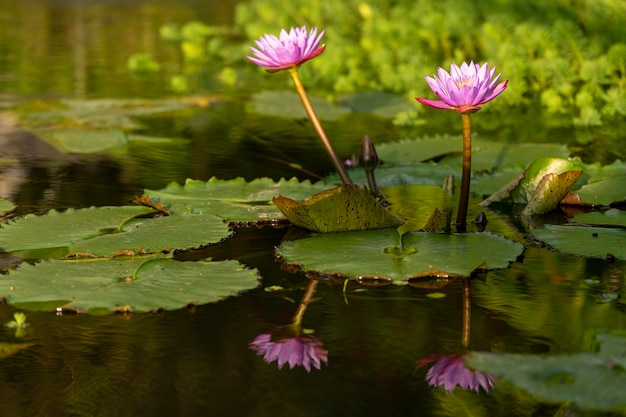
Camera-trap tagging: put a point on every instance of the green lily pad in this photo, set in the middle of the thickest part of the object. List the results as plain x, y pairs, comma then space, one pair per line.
349, 207
486, 154
370, 253
6, 206
589, 380
180, 231
288, 104
583, 240
612, 217
376, 102
139, 284
85, 141
607, 185
234, 200
62, 229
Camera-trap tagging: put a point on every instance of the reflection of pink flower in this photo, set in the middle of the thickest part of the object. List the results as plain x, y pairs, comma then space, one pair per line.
289, 50
464, 89
450, 371
301, 350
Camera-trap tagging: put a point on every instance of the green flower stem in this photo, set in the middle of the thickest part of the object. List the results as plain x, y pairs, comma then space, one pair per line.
293, 72
310, 290
461, 217
467, 312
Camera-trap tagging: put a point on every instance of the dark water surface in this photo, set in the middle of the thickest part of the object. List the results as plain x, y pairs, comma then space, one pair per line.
197, 362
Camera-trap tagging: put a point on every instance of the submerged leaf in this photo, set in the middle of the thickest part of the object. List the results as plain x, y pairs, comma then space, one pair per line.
349, 207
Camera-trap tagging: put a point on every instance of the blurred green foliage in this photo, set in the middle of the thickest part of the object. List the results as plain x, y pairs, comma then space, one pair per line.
569, 56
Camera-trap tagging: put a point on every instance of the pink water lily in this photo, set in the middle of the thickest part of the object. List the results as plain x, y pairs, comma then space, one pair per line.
289, 50
465, 88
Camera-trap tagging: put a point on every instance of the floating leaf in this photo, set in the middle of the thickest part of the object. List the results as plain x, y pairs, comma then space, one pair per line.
585, 241
363, 253
607, 185
486, 154
612, 217
590, 380
143, 284
234, 200
349, 207
376, 102
62, 229
180, 231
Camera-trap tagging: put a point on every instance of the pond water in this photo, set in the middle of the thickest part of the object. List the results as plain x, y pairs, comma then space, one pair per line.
197, 362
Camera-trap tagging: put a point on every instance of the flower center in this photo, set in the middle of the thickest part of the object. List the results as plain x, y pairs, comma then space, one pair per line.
464, 82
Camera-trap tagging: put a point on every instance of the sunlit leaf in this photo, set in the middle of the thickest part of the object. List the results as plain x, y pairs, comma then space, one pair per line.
85, 141
549, 192
143, 284
365, 253
337, 210
522, 188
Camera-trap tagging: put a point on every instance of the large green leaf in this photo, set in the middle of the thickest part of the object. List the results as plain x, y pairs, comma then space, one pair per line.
105, 231
376, 253
349, 207
138, 284
180, 231
234, 200
585, 241
62, 229
376, 102
590, 380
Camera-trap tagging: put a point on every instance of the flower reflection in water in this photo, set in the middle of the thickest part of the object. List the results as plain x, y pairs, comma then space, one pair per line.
450, 371
296, 349
292, 344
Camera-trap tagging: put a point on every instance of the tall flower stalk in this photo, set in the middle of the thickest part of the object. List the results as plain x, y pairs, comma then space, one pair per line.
287, 52
464, 89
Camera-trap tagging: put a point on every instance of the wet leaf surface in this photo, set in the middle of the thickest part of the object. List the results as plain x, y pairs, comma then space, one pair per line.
142, 284
584, 240
337, 210
354, 254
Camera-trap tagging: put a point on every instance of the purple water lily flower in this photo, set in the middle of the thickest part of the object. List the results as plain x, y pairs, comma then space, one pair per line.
464, 89
450, 371
301, 350
287, 51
